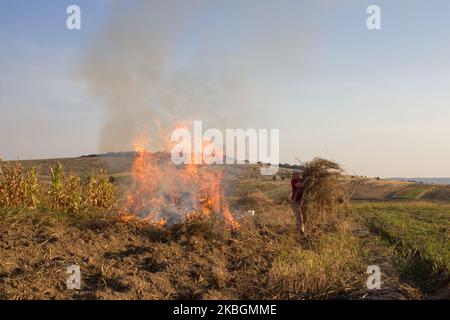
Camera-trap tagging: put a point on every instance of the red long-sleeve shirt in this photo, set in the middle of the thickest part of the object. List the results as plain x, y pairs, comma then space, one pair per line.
297, 192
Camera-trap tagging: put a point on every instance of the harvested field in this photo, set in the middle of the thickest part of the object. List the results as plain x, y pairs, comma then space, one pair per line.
201, 259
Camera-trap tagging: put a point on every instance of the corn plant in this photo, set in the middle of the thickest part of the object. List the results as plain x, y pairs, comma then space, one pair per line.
3, 189
21, 189
30, 186
66, 193
72, 194
101, 192
18, 189
11, 186
56, 192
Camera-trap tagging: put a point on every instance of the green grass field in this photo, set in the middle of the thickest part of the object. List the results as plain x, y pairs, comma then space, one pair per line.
419, 233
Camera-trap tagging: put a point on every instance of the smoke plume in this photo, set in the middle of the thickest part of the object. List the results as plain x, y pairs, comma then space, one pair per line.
166, 61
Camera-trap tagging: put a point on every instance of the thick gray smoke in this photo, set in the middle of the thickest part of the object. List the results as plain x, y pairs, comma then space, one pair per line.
165, 61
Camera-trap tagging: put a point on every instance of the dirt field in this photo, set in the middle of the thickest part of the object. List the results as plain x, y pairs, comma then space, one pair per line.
202, 260
120, 260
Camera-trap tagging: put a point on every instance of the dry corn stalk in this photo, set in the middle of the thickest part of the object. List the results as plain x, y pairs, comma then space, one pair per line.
31, 189
101, 192
72, 195
56, 192
18, 188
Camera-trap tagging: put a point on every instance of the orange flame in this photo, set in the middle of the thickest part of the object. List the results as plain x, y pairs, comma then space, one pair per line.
163, 193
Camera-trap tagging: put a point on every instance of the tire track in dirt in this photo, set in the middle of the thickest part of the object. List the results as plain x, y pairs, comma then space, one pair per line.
392, 287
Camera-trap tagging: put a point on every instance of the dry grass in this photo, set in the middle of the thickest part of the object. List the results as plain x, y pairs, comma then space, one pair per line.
328, 268
326, 264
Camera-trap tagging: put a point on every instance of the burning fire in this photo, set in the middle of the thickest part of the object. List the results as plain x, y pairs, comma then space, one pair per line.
164, 194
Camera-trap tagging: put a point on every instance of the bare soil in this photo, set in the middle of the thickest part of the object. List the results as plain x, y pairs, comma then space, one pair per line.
199, 260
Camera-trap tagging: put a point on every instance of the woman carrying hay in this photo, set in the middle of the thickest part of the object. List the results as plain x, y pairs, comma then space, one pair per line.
298, 183
320, 189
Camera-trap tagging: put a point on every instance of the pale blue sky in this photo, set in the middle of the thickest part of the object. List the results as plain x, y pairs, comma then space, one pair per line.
376, 101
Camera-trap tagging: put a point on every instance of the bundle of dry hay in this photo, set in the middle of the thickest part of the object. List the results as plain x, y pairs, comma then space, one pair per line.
325, 196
